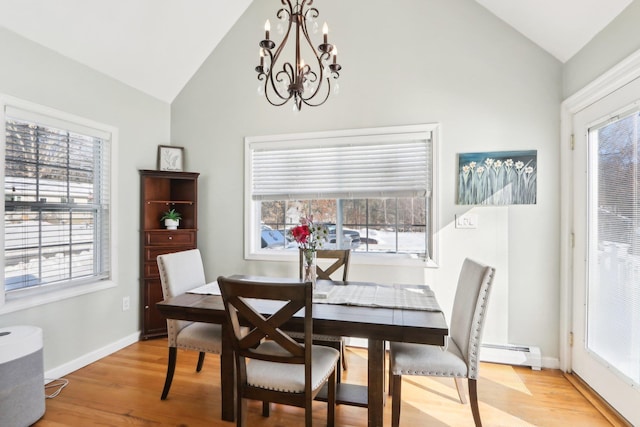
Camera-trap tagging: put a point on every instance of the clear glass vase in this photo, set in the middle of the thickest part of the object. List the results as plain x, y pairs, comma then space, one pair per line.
309, 266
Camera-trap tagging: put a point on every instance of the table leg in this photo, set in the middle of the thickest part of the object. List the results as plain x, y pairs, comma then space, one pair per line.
376, 393
227, 377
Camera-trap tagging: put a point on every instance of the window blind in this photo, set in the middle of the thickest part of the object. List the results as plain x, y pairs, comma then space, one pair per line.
388, 165
613, 301
57, 201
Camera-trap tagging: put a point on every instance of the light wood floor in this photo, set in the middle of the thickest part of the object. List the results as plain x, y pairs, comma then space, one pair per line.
124, 389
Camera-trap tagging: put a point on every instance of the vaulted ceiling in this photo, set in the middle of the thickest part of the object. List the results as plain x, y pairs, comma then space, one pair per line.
157, 45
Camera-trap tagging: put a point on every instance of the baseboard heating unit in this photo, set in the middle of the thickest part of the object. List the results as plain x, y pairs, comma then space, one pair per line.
512, 355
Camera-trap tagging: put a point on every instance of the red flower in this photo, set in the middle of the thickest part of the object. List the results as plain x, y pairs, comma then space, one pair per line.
300, 233
307, 235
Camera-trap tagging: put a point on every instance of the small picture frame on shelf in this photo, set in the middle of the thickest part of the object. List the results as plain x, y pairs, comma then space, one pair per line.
170, 158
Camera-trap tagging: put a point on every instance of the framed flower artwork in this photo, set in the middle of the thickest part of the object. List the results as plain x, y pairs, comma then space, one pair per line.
170, 158
498, 178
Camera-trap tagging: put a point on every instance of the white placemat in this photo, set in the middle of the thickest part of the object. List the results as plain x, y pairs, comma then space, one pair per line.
406, 297
208, 289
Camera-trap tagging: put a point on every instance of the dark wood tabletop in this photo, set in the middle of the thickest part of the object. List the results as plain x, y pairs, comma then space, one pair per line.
376, 324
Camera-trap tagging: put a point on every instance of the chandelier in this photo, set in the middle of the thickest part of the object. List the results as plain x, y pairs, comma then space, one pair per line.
306, 82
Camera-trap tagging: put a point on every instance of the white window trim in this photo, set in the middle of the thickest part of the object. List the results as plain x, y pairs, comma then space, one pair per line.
360, 258
35, 297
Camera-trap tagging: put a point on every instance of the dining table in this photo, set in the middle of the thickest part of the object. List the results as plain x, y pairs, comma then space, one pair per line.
376, 312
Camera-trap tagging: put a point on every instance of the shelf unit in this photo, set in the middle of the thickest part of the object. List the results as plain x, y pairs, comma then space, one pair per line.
161, 191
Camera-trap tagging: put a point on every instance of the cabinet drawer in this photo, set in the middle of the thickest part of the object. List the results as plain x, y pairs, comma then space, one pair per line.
152, 252
174, 237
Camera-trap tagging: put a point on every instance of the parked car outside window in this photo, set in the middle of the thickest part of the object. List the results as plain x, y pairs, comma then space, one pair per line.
350, 238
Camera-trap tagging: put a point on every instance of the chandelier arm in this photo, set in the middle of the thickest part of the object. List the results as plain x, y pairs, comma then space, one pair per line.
273, 57
311, 10
274, 86
276, 104
301, 6
271, 89
288, 10
269, 75
311, 75
289, 71
283, 10
308, 102
285, 38
271, 98
305, 32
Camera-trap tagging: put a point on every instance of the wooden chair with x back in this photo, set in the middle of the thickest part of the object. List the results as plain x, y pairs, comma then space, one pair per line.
332, 271
341, 257
270, 365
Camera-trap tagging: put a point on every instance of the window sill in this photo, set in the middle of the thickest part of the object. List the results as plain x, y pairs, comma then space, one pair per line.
16, 303
399, 260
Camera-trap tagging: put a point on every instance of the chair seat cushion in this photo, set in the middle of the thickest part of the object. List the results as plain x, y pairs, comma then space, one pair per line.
287, 377
201, 336
427, 360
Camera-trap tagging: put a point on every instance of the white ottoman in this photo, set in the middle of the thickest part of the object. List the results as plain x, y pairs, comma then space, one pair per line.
21, 376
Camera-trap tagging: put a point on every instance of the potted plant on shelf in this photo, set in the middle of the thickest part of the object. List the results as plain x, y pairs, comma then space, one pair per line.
171, 219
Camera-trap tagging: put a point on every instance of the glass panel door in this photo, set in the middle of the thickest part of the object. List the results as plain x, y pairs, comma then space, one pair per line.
613, 299
606, 255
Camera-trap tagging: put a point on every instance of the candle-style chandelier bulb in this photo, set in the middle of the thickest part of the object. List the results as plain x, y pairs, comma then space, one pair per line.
308, 82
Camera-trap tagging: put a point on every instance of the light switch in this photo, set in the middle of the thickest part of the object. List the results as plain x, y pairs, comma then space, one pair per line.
467, 220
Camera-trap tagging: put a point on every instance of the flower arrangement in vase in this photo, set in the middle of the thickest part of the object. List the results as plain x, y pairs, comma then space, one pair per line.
310, 237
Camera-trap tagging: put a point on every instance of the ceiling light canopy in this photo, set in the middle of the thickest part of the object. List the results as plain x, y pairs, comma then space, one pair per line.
308, 79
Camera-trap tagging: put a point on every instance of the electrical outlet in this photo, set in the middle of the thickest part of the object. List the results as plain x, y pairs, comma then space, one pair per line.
467, 220
125, 303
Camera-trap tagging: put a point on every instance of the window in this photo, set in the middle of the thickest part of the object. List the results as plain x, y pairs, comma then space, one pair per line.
372, 188
613, 300
57, 201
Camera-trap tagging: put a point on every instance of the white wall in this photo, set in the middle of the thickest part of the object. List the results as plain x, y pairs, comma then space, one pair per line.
404, 62
80, 326
614, 43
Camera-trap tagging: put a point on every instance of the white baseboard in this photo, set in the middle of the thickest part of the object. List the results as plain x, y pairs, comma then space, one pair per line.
504, 356
87, 359
551, 363
519, 355
357, 342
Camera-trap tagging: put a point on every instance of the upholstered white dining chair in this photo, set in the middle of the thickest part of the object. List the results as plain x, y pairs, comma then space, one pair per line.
180, 272
459, 358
